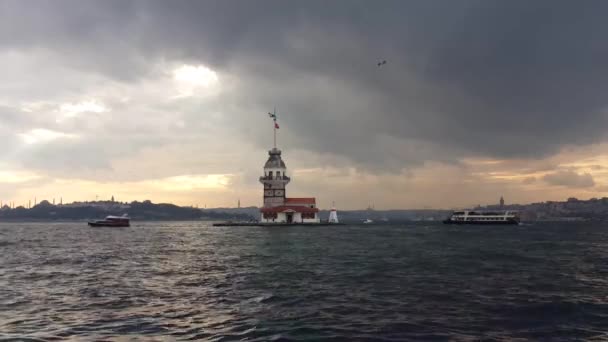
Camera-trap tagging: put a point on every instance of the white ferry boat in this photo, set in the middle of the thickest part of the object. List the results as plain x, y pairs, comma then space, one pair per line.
483, 217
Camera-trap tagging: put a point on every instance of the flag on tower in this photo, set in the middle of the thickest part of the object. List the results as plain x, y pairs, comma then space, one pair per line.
274, 117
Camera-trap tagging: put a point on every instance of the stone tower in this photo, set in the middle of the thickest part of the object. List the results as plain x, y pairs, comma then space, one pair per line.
274, 179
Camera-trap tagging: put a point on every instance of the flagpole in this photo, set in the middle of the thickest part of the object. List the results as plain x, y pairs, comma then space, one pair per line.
274, 126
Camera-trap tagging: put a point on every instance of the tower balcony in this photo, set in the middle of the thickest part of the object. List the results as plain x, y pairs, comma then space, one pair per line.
274, 178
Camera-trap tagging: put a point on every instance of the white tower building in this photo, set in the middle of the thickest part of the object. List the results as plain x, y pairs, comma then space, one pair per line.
277, 207
274, 179
333, 215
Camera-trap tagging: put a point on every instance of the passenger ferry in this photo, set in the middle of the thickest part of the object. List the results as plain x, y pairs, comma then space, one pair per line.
483, 217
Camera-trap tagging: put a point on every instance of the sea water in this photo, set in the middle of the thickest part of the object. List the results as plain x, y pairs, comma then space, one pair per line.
191, 281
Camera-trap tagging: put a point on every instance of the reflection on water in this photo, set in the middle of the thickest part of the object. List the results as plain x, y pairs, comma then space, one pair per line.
189, 281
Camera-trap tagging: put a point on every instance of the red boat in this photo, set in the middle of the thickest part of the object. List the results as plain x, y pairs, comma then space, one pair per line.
112, 221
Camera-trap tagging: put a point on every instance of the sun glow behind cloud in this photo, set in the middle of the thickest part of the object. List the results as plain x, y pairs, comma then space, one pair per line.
192, 182
42, 135
14, 177
181, 190
189, 79
70, 110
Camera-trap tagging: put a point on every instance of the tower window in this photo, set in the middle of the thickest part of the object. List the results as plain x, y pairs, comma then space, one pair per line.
270, 174
279, 174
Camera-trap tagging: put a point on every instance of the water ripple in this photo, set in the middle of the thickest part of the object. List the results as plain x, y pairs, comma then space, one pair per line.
187, 281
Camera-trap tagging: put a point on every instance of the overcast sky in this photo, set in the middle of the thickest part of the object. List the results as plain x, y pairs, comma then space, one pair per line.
167, 100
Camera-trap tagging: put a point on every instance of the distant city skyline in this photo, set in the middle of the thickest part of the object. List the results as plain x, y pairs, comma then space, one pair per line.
103, 202
168, 101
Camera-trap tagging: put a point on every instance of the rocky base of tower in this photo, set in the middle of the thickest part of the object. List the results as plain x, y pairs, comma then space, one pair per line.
262, 224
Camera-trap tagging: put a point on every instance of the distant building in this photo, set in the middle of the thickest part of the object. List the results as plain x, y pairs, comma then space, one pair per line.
502, 202
105, 205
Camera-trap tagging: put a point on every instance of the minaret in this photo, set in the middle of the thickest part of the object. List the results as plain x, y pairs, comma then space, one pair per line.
502, 202
274, 179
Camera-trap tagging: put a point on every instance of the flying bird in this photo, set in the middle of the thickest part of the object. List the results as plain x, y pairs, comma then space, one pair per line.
381, 63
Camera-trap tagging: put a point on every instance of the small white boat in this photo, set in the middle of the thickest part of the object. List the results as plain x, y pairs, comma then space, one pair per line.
368, 221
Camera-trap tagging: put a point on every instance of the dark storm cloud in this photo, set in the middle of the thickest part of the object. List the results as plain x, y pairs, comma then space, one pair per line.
570, 179
9, 121
537, 68
493, 78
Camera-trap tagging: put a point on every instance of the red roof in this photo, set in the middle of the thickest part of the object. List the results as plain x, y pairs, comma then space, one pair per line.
299, 200
288, 208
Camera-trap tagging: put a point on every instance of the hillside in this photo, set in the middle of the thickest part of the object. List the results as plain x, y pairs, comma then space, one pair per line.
145, 210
